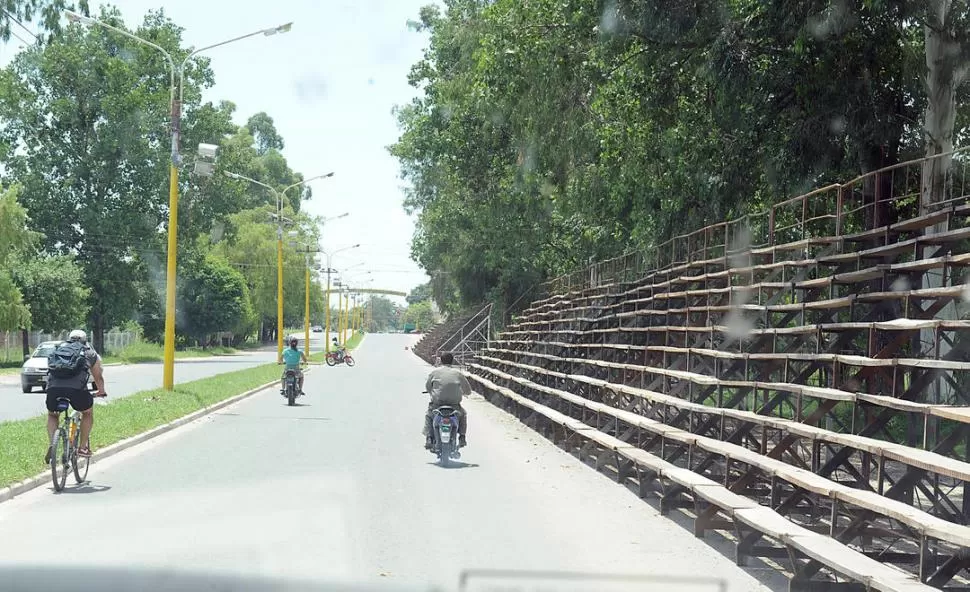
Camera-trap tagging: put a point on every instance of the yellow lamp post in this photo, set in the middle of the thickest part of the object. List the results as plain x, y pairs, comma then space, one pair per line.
331, 270
279, 197
176, 88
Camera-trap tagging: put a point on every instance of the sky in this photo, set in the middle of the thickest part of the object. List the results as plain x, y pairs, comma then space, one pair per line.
329, 85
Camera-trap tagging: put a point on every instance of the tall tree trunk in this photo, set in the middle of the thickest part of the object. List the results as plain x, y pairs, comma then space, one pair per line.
25, 336
944, 74
97, 331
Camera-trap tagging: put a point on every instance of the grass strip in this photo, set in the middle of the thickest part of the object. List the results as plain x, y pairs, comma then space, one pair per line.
23, 442
143, 351
354, 341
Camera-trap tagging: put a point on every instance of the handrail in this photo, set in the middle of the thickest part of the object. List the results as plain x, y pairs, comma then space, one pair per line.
460, 330
683, 248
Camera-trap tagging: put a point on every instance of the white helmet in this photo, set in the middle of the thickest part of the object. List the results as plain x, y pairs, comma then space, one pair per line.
78, 335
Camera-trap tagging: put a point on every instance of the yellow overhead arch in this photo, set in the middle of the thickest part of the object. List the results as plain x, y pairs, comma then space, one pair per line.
376, 291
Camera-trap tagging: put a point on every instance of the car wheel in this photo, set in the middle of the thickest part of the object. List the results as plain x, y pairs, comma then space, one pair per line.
26, 388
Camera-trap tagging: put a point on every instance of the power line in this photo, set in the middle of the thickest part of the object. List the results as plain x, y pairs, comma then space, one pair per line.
20, 24
19, 38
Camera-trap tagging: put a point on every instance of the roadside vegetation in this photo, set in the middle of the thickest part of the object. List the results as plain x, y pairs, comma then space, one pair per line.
73, 102
24, 442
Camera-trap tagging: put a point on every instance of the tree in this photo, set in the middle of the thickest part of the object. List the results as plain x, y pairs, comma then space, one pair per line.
263, 129
54, 291
85, 120
14, 239
383, 315
250, 245
947, 49
420, 314
419, 294
589, 129
15, 12
214, 298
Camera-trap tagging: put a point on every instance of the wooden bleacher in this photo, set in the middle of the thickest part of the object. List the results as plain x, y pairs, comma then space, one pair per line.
810, 388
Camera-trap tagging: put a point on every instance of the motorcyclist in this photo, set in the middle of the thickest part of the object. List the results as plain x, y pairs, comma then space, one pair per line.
293, 357
339, 349
446, 385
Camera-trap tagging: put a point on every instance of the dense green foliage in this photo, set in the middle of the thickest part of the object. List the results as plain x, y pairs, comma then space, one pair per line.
55, 291
84, 143
549, 133
383, 315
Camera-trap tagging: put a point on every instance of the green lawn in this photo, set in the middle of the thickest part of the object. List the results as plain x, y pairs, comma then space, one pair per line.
23, 442
144, 351
136, 353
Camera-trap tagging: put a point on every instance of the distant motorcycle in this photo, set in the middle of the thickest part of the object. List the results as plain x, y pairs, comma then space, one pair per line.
334, 358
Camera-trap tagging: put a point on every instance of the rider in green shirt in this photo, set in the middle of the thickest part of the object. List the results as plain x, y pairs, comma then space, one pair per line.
292, 358
341, 350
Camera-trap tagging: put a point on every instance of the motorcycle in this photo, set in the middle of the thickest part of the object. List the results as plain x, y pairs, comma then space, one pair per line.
334, 358
444, 433
290, 389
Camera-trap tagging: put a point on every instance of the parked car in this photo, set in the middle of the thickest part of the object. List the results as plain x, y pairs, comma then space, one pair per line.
34, 371
317, 329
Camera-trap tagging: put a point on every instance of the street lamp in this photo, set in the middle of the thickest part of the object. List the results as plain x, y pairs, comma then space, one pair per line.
362, 302
350, 321
329, 271
176, 86
279, 196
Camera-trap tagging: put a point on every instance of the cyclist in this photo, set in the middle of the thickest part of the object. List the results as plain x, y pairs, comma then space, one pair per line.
293, 357
76, 389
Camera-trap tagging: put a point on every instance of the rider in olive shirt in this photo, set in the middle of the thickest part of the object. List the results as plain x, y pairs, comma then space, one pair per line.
447, 386
292, 357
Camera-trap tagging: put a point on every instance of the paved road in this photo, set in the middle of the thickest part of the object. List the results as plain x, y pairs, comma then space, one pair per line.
341, 489
122, 381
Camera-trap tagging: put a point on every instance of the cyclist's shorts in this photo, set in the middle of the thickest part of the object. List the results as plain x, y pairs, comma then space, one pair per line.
81, 399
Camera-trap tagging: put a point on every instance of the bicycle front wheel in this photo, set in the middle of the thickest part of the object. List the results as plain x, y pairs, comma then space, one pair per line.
81, 463
59, 459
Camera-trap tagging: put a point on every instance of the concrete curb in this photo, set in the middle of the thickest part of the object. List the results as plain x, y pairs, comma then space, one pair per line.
9, 492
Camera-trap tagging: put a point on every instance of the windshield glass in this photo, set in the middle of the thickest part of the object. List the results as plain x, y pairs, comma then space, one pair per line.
43, 351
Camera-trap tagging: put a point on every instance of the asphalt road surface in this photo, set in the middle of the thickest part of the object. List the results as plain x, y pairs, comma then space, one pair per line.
341, 489
121, 381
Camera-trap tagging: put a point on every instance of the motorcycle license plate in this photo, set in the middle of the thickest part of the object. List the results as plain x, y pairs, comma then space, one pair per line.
445, 436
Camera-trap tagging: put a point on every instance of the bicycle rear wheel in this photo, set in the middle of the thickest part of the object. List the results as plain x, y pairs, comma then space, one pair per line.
59, 459
81, 463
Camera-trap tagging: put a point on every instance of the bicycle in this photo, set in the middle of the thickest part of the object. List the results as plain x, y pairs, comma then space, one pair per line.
64, 447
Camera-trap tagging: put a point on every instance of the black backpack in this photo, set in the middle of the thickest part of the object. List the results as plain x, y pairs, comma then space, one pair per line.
67, 360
